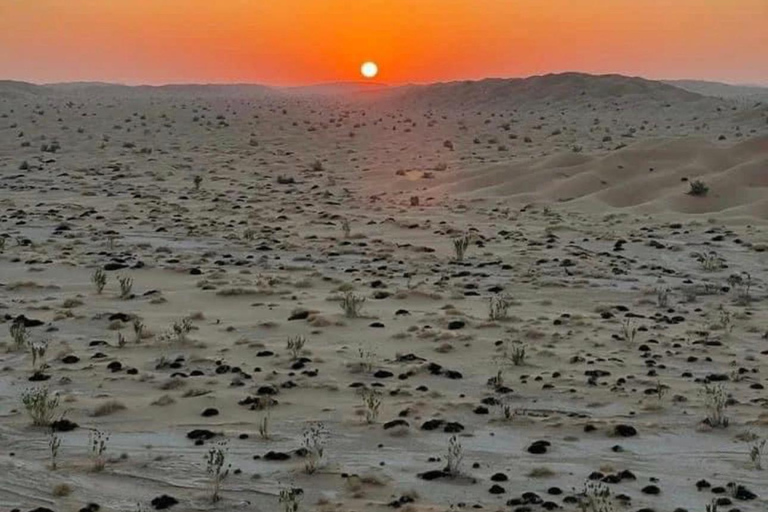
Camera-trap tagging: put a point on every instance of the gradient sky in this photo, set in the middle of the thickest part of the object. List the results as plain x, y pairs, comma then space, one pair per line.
286, 42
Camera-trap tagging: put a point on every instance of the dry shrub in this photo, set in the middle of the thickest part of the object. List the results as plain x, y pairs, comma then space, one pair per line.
108, 408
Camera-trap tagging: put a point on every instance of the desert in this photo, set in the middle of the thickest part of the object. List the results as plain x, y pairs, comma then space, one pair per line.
544, 293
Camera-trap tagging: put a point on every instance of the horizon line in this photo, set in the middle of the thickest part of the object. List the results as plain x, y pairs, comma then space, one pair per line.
372, 83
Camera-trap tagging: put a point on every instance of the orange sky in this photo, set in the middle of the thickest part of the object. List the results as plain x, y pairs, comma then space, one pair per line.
310, 41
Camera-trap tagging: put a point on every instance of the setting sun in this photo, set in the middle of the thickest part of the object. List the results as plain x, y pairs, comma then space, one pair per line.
369, 69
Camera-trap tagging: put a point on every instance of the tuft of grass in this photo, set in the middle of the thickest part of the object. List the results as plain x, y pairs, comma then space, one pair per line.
460, 246
126, 285
715, 401
99, 280
295, 345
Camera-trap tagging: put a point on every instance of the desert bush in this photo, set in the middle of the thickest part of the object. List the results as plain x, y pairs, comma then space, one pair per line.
756, 452
662, 297
698, 188
41, 405
371, 402
290, 498
454, 457
715, 402
108, 408
498, 307
197, 181
596, 497
352, 305
742, 285
628, 330
217, 468
709, 261
97, 440
181, 328
314, 439
19, 334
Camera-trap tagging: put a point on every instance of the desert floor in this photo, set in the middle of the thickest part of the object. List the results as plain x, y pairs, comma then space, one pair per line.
601, 346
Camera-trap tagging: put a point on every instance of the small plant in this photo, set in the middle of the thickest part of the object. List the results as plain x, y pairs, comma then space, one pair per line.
41, 405
661, 390
460, 246
217, 468
715, 401
314, 440
197, 180
38, 350
712, 507
352, 305
295, 345
138, 329
498, 307
346, 228
518, 355
698, 189
662, 297
264, 423
756, 452
98, 440
628, 330
726, 319
19, 334
709, 261
454, 457
181, 328
249, 234
514, 353
742, 284
2, 244
126, 285
497, 381
99, 280
289, 498
507, 412
367, 359
596, 497
54, 443
371, 402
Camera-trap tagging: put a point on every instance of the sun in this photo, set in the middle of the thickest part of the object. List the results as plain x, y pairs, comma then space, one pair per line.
369, 69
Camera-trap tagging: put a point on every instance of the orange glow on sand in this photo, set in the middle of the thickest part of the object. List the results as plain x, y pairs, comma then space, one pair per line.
310, 41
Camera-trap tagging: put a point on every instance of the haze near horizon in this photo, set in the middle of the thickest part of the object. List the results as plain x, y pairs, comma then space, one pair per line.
302, 42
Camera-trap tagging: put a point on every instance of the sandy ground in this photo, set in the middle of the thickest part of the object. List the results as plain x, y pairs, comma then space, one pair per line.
625, 306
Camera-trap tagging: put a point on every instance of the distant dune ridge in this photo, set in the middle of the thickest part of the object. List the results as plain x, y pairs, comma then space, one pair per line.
590, 141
